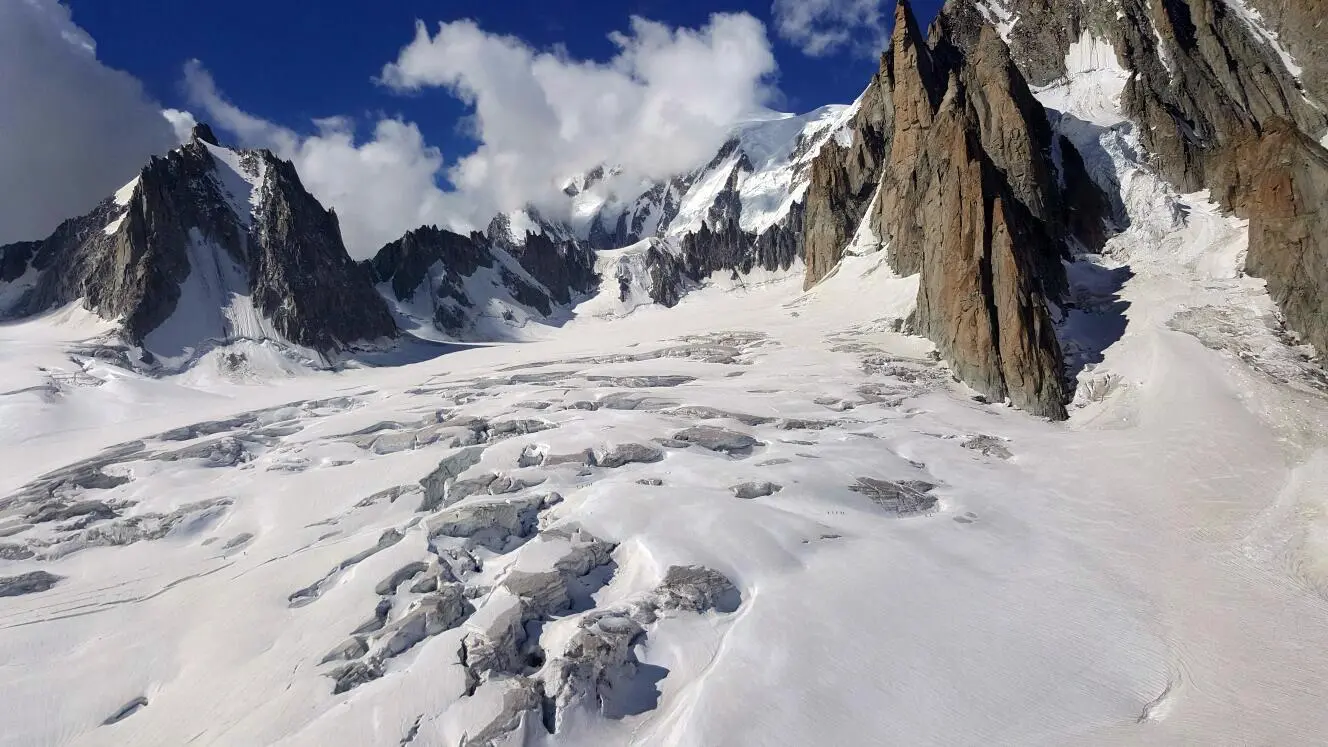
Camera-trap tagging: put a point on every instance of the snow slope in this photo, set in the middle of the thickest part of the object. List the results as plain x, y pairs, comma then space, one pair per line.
779, 148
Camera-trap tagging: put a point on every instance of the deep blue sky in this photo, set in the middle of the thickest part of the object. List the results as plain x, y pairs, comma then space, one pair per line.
290, 61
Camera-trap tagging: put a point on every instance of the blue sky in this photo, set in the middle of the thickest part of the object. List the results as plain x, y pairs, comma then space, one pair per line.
291, 61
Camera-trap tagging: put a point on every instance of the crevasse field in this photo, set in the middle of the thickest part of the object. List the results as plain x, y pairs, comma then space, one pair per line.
763, 517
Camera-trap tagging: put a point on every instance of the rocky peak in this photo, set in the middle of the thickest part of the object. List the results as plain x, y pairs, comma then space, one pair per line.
205, 247
951, 171
1227, 96
203, 132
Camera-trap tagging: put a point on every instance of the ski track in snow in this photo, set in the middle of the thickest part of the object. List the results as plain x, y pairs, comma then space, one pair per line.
911, 566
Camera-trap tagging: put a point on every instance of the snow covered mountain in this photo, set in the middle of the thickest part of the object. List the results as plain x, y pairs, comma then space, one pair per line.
746, 505
477, 288
205, 248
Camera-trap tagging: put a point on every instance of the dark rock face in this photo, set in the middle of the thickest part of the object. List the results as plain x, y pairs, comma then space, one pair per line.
129, 261
731, 249
844, 179
301, 276
564, 268
203, 131
540, 273
951, 167
1218, 108
1299, 26
1280, 181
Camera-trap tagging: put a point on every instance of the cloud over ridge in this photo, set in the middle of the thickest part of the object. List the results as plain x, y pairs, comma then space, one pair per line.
72, 130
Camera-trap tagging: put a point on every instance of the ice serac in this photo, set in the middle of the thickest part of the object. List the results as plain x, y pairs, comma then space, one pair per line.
967, 196
215, 245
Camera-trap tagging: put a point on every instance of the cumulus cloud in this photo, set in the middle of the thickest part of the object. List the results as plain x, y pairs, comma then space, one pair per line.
822, 27
181, 122
663, 104
380, 187
71, 129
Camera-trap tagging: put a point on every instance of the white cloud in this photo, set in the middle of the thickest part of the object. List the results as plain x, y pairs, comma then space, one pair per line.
821, 27
380, 188
181, 122
662, 105
71, 129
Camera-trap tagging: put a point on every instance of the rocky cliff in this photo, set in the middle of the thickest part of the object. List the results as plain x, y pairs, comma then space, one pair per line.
482, 286
954, 169
1226, 95
206, 246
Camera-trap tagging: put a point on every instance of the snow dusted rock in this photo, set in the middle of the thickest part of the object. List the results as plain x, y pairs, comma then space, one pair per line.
207, 246
453, 282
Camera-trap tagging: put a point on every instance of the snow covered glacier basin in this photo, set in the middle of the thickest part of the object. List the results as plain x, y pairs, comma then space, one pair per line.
791, 527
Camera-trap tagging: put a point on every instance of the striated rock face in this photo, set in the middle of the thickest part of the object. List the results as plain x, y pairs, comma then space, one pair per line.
951, 170
300, 274
1280, 181
1226, 96
1299, 25
844, 179
231, 235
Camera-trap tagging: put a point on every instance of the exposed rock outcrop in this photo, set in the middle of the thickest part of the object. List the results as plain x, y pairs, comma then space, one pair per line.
450, 281
1226, 96
967, 196
1280, 181
234, 232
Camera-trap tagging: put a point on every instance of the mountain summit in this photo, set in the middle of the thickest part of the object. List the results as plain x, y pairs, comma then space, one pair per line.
205, 247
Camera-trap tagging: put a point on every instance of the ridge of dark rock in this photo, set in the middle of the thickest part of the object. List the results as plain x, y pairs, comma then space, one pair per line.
950, 167
129, 262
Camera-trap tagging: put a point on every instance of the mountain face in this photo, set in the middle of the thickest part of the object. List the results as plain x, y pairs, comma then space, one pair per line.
954, 169
964, 168
740, 211
206, 246
475, 287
